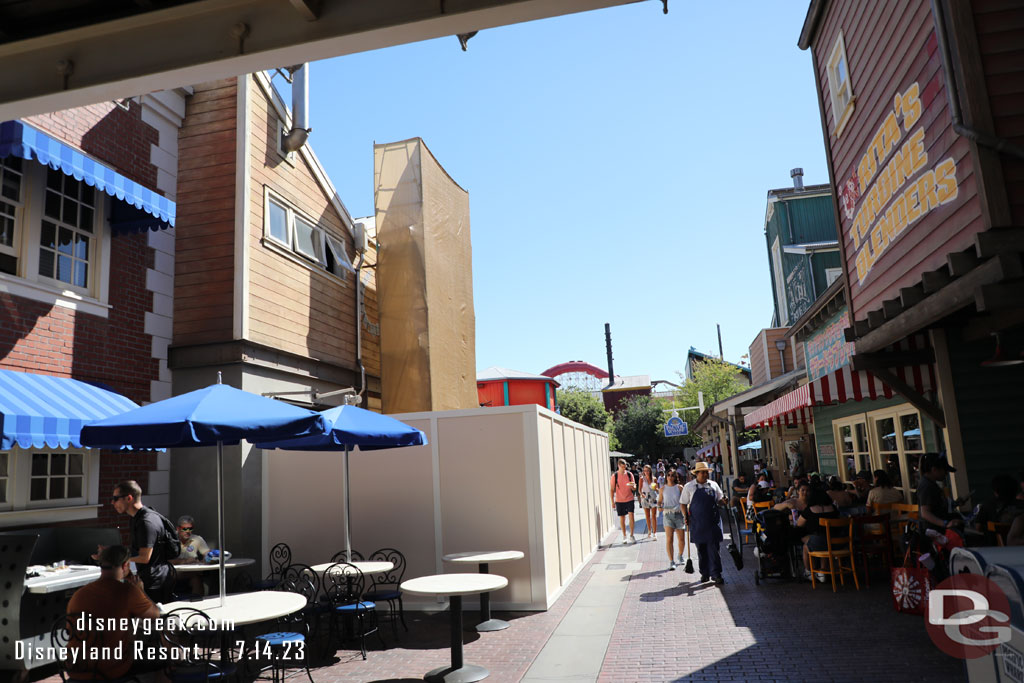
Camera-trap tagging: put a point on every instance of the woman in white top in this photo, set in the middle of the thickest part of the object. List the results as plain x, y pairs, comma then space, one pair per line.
649, 501
675, 524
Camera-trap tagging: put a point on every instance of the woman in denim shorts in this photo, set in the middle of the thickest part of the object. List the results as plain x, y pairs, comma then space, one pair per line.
668, 500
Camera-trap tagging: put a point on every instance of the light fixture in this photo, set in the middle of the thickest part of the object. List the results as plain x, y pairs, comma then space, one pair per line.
999, 360
464, 38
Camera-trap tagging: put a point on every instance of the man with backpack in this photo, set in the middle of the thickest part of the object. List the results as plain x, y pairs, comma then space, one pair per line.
153, 540
623, 499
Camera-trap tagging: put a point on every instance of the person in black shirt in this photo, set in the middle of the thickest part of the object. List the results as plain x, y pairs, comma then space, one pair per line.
146, 533
934, 507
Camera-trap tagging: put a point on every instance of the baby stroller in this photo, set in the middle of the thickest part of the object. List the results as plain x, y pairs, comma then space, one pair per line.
774, 555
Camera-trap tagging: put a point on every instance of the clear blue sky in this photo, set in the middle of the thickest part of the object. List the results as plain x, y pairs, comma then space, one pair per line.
617, 164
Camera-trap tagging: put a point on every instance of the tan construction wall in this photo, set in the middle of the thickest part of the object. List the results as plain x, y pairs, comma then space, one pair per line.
511, 478
425, 281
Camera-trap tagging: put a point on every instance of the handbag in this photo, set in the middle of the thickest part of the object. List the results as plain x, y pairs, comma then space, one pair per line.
911, 586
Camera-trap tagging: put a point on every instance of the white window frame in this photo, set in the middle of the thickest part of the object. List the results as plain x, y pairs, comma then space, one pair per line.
895, 413
18, 509
832, 274
780, 283
840, 91
852, 422
322, 240
27, 282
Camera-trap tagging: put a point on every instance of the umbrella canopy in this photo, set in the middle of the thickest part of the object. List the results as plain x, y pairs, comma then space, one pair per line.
349, 426
352, 426
216, 414
213, 416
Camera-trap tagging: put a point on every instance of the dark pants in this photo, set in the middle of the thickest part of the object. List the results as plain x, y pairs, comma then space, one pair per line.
707, 554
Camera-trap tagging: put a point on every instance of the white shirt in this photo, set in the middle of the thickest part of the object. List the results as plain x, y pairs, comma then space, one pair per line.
691, 487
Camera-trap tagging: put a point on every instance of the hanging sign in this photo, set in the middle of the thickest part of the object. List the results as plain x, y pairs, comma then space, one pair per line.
676, 427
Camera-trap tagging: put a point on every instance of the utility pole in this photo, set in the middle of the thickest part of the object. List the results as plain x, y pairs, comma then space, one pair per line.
721, 356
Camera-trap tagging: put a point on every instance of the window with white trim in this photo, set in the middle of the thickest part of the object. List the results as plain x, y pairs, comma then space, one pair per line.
839, 85
287, 227
52, 241
46, 479
832, 274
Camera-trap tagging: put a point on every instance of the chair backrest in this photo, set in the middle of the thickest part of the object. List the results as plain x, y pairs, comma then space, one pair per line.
834, 536
879, 508
280, 558
344, 584
77, 632
342, 556
194, 637
301, 579
394, 576
906, 510
763, 505
876, 526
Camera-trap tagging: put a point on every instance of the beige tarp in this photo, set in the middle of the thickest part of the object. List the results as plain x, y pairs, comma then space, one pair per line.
424, 282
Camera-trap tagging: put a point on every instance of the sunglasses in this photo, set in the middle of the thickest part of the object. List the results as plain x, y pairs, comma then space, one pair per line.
114, 499
184, 528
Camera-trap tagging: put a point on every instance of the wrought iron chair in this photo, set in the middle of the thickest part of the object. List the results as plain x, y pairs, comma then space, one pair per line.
296, 630
386, 585
345, 585
280, 558
196, 641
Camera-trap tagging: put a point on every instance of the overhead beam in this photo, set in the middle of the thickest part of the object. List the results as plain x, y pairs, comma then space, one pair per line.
891, 359
213, 39
916, 399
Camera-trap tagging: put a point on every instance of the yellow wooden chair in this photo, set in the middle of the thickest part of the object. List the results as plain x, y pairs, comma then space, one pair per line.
839, 547
902, 515
999, 529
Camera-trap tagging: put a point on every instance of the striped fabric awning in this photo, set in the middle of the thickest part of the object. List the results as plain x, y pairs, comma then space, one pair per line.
712, 449
40, 410
840, 386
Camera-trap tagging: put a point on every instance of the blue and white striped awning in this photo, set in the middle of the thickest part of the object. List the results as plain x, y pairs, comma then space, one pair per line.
40, 410
25, 142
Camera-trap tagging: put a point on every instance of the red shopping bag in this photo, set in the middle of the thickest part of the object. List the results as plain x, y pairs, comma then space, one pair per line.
910, 587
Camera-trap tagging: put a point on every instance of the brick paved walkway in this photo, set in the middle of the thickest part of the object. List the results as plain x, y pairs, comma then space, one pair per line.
669, 629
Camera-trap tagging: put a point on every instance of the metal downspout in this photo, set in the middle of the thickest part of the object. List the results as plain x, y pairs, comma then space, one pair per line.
953, 95
359, 325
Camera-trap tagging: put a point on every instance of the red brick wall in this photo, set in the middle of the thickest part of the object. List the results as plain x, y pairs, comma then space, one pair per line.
54, 340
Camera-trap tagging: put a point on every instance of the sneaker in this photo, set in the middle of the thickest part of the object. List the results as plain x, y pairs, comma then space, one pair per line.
671, 566
632, 538
718, 580
820, 577
654, 537
757, 552
703, 578
624, 540
680, 559
807, 574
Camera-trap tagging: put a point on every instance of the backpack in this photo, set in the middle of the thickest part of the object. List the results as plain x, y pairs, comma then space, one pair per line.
170, 540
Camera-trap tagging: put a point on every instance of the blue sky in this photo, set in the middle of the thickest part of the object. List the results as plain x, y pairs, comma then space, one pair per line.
617, 164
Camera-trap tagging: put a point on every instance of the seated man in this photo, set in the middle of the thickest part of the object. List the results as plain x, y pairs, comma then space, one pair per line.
116, 595
193, 550
739, 488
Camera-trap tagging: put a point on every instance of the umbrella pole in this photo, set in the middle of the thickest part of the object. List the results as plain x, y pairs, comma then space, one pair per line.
348, 512
220, 517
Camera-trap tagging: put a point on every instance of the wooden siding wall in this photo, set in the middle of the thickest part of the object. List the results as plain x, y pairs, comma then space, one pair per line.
293, 307
205, 227
889, 46
1000, 28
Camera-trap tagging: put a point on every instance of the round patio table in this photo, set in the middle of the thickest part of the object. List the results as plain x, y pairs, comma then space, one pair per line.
244, 608
191, 567
483, 559
455, 586
364, 567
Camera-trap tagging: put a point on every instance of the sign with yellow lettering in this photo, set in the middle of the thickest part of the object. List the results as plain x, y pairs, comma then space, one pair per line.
893, 186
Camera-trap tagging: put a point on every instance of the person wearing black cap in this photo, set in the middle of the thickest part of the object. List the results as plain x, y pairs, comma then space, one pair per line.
935, 510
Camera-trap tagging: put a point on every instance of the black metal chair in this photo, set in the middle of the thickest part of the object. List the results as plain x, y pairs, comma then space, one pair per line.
345, 585
342, 556
196, 640
280, 558
291, 642
386, 585
67, 632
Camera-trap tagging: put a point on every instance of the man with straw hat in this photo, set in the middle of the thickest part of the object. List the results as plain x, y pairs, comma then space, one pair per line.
700, 500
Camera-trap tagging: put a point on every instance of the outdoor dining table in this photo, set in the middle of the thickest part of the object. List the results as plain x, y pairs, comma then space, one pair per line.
484, 559
366, 568
240, 609
52, 580
193, 567
455, 586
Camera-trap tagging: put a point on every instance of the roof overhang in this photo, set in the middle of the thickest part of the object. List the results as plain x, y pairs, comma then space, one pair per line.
761, 394
160, 47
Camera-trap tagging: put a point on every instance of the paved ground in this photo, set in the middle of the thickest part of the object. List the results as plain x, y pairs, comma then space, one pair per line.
627, 618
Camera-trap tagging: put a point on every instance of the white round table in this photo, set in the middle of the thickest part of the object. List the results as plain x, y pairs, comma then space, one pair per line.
483, 559
454, 586
192, 567
244, 608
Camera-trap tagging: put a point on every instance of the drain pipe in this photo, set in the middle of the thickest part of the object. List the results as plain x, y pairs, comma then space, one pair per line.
953, 96
359, 233
293, 140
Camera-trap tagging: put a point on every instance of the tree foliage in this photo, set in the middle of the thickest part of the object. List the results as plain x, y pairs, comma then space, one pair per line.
639, 427
581, 406
717, 379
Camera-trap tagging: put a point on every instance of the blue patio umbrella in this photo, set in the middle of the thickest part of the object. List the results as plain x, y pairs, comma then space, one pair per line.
216, 415
348, 426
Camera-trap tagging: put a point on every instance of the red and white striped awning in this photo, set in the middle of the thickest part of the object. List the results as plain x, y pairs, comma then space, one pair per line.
840, 386
712, 449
